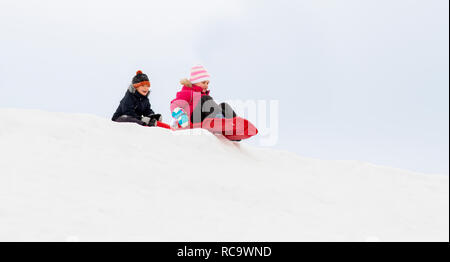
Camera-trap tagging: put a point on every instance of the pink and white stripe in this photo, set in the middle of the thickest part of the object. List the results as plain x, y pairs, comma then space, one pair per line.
199, 74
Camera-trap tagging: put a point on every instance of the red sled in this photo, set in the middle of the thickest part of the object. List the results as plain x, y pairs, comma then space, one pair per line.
234, 129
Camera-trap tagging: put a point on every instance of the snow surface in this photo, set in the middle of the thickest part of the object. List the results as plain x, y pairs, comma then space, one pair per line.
67, 177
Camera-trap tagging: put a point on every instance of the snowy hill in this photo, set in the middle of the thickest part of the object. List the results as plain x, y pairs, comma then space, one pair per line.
66, 177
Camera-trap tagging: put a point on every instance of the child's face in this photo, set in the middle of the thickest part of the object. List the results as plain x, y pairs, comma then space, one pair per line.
204, 85
143, 90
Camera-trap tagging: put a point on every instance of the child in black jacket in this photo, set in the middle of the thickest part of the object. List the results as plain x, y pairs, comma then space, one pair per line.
135, 106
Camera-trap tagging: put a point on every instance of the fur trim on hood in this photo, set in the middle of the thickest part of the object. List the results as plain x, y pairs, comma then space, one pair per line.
186, 82
131, 89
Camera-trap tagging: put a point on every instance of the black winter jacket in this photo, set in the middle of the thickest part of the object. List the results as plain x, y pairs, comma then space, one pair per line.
134, 105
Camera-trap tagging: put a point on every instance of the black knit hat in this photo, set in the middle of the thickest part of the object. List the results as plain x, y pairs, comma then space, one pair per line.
139, 78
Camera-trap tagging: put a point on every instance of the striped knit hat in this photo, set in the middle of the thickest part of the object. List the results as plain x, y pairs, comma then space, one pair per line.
199, 74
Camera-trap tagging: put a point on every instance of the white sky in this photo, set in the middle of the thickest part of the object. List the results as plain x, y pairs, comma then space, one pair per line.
365, 80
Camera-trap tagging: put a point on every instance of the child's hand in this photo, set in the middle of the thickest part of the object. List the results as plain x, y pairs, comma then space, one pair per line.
149, 121
157, 117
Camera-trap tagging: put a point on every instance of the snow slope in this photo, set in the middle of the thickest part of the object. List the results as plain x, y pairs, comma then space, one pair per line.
66, 177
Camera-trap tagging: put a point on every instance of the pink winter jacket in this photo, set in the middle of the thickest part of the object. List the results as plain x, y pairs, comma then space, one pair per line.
188, 98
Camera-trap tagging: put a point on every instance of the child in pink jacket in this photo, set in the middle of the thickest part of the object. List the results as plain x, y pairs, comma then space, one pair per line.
193, 103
